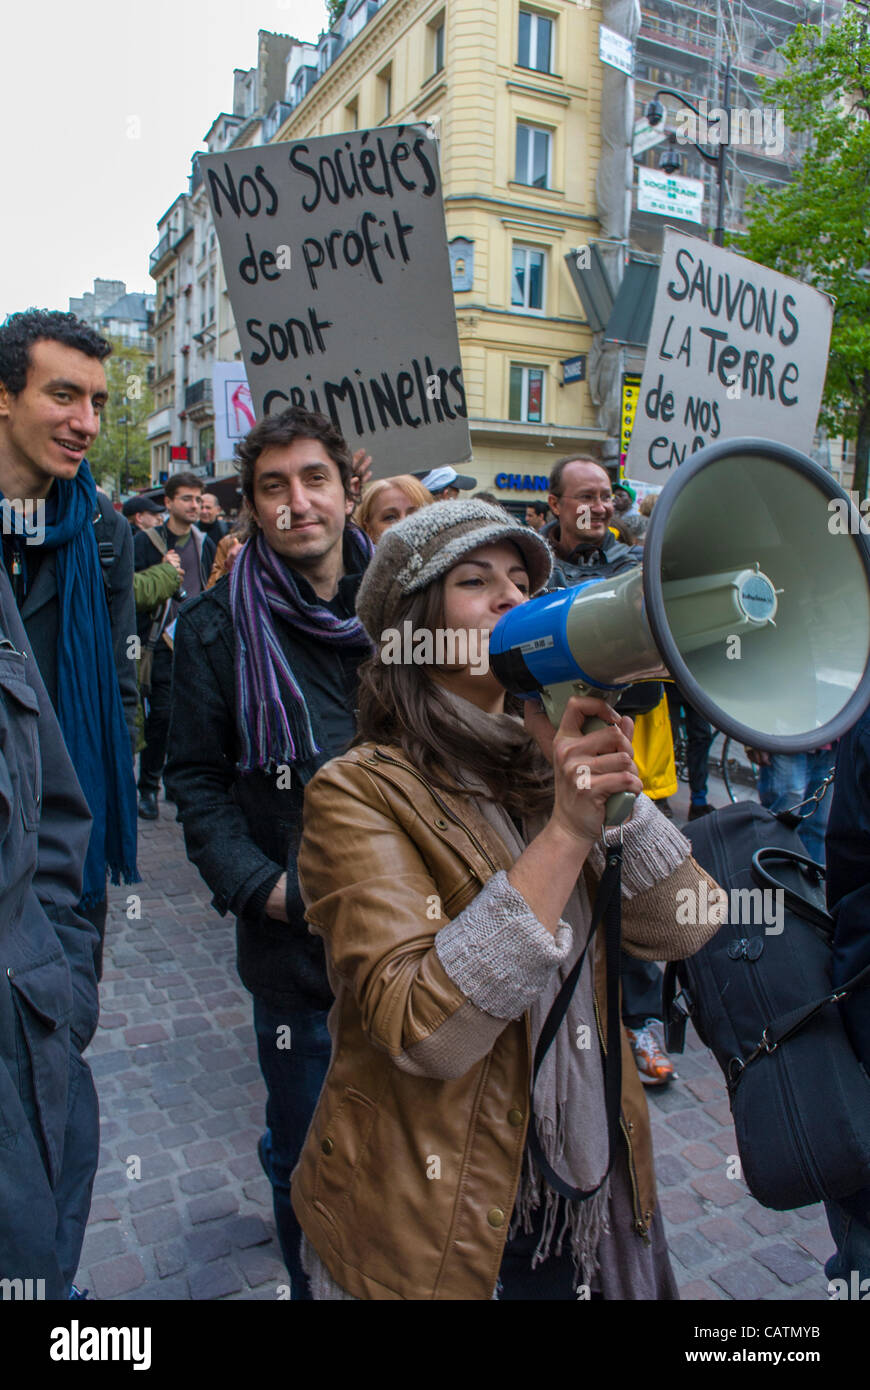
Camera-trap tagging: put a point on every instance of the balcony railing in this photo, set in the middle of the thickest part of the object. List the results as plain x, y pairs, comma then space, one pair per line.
198, 393
169, 240
160, 250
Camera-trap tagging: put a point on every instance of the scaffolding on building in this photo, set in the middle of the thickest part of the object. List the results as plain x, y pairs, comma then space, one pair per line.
685, 46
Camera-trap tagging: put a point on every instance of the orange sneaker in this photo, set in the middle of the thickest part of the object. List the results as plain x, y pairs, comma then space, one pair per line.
653, 1063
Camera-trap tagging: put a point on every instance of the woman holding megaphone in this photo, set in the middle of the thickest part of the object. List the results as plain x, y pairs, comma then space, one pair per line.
450, 861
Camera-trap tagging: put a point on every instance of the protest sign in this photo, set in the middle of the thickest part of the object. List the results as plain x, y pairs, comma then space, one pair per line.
233, 408
735, 349
336, 263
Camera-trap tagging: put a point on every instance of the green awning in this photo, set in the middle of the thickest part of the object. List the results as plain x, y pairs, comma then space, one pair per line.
631, 316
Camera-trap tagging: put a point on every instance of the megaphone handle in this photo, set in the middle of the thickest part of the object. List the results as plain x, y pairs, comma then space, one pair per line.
555, 698
621, 804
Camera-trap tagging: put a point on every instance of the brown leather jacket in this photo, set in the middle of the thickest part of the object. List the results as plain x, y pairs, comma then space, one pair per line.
408, 1175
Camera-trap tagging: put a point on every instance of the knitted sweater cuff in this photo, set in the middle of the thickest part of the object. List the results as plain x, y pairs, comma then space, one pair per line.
653, 849
256, 904
498, 953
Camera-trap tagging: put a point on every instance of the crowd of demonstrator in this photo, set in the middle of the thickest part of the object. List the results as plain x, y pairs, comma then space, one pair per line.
410, 855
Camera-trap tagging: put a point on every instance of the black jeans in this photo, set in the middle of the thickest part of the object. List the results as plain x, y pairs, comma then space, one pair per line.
641, 990
153, 755
554, 1280
699, 736
294, 1048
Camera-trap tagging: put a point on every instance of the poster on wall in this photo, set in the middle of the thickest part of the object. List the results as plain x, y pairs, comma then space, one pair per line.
233, 408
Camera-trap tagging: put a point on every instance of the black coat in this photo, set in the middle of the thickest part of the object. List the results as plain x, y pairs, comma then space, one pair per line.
242, 832
847, 853
146, 554
215, 530
40, 613
49, 1124
590, 561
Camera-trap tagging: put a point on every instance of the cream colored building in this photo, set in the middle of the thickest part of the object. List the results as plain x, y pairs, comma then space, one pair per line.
515, 95
511, 92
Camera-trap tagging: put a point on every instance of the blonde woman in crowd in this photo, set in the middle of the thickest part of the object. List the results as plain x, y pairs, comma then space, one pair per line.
390, 500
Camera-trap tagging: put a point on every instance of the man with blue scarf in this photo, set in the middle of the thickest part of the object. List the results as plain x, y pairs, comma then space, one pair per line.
52, 390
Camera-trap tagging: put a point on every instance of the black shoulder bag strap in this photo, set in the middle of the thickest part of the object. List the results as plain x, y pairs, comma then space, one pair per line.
608, 908
105, 549
157, 624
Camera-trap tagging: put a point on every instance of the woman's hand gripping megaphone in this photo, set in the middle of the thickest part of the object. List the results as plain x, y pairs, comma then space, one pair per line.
592, 761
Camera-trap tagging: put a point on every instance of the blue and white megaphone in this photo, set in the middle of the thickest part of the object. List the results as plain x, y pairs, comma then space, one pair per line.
753, 595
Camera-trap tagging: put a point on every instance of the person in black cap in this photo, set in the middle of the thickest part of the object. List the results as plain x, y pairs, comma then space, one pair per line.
142, 513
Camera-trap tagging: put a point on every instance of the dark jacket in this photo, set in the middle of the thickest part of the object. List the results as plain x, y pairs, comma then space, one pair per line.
847, 851
40, 613
215, 530
146, 554
242, 832
612, 556
49, 1128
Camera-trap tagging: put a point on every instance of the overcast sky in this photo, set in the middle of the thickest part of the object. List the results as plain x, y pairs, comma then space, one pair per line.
81, 198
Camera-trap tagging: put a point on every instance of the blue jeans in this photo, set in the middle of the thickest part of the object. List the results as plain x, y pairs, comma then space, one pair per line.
294, 1076
791, 777
849, 1220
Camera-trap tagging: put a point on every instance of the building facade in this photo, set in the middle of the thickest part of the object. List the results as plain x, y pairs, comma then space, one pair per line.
540, 178
193, 324
170, 266
111, 310
684, 46
511, 94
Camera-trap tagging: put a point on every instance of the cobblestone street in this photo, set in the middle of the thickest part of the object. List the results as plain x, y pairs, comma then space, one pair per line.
180, 1091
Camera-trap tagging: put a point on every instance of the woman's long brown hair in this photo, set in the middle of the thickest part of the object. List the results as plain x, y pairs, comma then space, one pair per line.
401, 706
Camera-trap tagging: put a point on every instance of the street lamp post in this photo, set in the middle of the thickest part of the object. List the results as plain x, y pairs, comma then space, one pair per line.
654, 114
125, 477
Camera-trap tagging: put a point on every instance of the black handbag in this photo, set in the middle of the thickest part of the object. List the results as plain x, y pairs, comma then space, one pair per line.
759, 994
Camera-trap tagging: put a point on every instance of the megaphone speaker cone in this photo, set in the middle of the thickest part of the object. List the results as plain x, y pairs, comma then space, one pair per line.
758, 604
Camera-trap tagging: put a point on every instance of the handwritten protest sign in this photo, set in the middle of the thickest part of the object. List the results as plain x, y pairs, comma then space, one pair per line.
734, 349
336, 262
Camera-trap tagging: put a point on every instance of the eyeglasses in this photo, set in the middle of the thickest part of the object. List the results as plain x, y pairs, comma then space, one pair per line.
589, 499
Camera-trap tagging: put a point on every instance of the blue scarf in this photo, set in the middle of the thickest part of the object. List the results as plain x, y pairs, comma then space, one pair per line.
273, 720
89, 708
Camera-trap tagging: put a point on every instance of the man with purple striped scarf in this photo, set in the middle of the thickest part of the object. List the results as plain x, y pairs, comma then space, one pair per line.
264, 693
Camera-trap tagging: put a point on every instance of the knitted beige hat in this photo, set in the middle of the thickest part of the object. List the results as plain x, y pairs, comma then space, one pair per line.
428, 543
